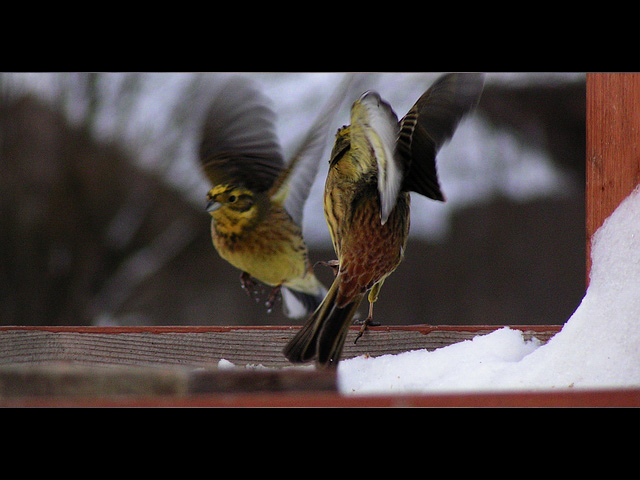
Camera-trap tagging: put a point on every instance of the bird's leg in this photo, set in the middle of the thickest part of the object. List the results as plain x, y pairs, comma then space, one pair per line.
334, 264
365, 323
373, 296
275, 294
249, 285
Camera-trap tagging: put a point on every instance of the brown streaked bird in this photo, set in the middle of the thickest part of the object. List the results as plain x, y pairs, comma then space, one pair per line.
256, 201
376, 161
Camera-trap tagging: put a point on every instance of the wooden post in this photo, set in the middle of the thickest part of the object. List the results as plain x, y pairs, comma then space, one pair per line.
613, 145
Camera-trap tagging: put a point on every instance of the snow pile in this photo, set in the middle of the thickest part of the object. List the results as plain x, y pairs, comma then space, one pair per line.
597, 348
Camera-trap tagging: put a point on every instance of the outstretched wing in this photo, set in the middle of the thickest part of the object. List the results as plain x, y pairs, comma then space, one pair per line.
374, 128
292, 188
239, 144
430, 123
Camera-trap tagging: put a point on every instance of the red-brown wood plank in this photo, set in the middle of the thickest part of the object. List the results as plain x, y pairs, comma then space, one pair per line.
560, 398
613, 145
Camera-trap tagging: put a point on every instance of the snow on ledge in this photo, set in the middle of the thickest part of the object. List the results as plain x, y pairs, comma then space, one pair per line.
596, 348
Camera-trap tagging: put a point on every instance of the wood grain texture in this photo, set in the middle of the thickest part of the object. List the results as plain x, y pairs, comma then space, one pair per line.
206, 346
55, 380
177, 367
613, 145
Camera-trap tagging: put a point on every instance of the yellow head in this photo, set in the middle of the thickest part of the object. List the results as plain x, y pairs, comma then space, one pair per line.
234, 209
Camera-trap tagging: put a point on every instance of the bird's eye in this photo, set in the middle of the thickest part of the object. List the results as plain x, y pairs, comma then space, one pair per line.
232, 198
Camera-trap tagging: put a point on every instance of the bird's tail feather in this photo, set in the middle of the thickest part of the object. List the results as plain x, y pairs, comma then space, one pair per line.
334, 333
324, 334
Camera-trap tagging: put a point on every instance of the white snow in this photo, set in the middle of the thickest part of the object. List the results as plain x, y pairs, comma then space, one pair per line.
598, 347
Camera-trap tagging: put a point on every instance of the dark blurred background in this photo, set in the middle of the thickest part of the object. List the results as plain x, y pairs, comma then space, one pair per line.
102, 216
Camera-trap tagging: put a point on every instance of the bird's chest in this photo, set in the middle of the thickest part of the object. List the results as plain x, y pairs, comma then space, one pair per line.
266, 253
370, 250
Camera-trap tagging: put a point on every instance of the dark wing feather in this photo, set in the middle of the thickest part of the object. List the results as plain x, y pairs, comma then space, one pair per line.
239, 144
430, 123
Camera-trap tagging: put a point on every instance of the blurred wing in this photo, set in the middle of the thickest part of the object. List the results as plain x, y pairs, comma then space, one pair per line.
375, 128
430, 123
292, 189
239, 144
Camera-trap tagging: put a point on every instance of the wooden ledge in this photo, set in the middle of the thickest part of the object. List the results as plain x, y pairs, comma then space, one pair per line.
184, 366
559, 399
206, 346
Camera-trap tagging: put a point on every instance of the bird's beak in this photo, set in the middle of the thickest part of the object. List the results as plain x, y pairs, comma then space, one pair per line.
212, 206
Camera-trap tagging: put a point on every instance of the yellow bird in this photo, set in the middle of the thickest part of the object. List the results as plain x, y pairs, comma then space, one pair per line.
376, 161
257, 201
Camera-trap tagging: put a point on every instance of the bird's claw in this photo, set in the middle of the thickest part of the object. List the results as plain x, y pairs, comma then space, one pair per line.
367, 322
249, 285
334, 264
273, 297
